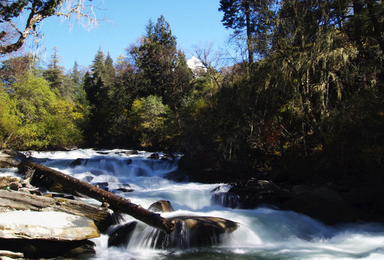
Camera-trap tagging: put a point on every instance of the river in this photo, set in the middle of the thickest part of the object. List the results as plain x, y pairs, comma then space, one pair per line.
263, 233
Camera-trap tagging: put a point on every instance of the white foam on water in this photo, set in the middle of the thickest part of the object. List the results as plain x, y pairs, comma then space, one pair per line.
263, 233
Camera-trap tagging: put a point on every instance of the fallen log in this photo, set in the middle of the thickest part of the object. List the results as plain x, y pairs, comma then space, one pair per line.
116, 202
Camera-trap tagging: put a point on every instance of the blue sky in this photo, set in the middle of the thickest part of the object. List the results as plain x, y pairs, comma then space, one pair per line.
193, 22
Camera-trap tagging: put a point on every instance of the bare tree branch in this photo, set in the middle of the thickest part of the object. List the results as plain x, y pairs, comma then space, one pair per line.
37, 12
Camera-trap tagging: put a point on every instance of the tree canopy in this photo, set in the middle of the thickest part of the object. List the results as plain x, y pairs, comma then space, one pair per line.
308, 97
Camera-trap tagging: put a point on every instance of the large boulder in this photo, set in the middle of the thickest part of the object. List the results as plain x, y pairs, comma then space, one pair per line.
202, 224
361, 203
46, 234
324, 203
258, 192
193, 231
46, 225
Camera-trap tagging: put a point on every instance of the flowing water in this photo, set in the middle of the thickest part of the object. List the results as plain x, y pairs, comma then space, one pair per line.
263, 233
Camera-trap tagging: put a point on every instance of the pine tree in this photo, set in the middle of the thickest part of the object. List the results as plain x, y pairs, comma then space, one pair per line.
55, 75
160, 63
255, 18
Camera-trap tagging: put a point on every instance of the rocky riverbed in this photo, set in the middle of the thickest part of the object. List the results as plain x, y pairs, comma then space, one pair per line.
33, 225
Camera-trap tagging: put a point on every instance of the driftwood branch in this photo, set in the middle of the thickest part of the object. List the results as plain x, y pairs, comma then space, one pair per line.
116, 202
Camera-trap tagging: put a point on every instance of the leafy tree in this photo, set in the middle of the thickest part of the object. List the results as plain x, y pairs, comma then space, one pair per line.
9, 122
148, 116
44, 119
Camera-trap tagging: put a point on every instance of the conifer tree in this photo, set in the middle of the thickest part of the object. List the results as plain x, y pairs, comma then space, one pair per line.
55, 75
161, 64
252, 17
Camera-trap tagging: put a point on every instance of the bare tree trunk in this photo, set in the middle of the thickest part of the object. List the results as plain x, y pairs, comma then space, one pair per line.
116, 202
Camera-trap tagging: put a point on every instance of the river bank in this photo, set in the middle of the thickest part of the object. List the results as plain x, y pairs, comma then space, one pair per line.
331, 201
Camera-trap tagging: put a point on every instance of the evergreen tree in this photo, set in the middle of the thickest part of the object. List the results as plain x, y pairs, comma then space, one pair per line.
161, 64
109, 68
254, 17
55, 76
99, 87
77, 80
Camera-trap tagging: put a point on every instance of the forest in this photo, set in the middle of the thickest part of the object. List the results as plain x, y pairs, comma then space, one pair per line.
308, 100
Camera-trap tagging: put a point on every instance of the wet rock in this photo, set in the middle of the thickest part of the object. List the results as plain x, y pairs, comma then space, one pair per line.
102, 185
226, 199
258, 192
129, 152
122, 189
76, 162
221, 196
161, 206
200, 223
322, 203
194, 231
154, 156
87, 178
121, 234
168, 155
128, 162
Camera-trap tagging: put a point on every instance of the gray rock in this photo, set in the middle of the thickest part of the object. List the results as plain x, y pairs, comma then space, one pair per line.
46, 225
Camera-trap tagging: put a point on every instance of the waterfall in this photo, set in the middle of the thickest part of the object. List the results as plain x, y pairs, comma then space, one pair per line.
262, 233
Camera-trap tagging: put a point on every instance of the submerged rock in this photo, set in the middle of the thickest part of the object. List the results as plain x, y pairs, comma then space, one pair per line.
76, 162
154, 156
161, 206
